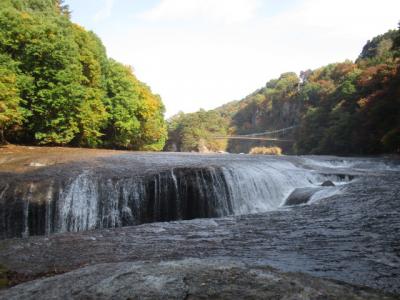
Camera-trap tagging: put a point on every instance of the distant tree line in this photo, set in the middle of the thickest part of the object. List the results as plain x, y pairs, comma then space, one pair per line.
342, 108
58, 87
196, 132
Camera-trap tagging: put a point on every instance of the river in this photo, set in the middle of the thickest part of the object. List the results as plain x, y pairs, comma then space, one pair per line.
347, 231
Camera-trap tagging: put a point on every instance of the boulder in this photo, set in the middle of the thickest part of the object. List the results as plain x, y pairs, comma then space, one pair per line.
327, 183
301, 196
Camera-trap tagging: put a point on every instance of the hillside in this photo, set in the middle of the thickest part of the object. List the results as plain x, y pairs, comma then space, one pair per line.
342, 108
58, 87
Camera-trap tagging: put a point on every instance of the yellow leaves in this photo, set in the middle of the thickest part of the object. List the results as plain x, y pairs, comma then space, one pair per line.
362, 102
7, 76
266, 150
78, 28
25, 15
150, 103
9, 99
3, 106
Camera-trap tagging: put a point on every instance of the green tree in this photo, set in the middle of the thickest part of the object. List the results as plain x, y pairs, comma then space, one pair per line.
10, 103
122, 106
60, 88
197, 131
92, 115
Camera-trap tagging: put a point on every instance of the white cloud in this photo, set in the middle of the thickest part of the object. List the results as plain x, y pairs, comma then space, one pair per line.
105, 11
207, 65
225, 11
342, 17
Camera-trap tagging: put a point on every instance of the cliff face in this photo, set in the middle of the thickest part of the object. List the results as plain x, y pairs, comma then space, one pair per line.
265, 116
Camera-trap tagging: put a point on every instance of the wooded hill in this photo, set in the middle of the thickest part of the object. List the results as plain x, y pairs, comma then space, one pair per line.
58, 87
342, 108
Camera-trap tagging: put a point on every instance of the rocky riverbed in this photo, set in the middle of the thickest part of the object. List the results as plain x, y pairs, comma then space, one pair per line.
342, 244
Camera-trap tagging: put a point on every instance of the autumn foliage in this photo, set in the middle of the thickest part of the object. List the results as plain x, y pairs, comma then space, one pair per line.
266, 150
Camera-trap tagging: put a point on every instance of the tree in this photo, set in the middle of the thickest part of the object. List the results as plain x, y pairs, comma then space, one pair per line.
92, 115
379, 46
197, 131
151, 116
60, 88
10, 109
122, 106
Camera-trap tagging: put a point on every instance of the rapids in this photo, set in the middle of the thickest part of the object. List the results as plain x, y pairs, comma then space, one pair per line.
131, 189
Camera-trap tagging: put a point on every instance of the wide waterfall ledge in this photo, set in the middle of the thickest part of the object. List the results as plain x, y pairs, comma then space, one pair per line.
131, 189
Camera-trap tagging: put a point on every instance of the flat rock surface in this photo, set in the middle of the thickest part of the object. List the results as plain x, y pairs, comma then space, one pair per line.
25, 163
19, 159
186, 279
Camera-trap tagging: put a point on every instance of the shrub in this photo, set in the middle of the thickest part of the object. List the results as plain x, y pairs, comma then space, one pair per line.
266, 150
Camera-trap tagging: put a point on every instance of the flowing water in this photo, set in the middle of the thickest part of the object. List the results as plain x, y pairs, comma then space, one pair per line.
259, 211
131, 189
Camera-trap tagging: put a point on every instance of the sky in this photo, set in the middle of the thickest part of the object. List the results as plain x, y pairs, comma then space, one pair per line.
204, 53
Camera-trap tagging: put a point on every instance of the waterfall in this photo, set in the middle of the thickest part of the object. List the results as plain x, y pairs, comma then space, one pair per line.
92, 200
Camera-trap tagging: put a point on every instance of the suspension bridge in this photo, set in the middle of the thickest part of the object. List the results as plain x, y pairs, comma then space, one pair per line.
261, 136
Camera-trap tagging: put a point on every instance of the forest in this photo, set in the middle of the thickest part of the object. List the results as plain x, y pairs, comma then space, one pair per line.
59, 87
343, 108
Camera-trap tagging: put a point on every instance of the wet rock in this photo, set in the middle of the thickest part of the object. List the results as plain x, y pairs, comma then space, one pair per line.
352, 237
4, 280
328, 183
300, 196
137, 188
341, 239
186, 279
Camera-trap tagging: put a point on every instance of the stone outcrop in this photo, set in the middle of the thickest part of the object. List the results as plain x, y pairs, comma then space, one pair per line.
186, 279
301, 196
328, 183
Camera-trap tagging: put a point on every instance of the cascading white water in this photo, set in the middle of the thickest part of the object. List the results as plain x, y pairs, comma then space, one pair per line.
78, 204
93, 201
261, 187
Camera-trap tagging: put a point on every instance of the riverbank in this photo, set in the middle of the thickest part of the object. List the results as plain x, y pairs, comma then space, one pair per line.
15, 158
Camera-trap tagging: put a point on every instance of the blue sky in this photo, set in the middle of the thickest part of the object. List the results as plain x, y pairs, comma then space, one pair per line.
204, 53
